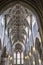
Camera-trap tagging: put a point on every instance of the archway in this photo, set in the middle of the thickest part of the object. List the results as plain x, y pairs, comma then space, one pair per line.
20, 23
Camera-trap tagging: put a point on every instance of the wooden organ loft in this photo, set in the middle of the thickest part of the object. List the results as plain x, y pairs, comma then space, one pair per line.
20, 36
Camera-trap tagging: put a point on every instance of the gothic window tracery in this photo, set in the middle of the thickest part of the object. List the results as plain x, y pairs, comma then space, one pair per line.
18, 58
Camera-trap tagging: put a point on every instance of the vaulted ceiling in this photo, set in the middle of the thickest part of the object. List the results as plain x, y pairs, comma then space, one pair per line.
17, 29
17, 23
36, 4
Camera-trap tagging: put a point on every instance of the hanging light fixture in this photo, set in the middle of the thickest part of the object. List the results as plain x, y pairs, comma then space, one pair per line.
30, 54
39, 61
27, 57
34, 49
11, 58
33, 62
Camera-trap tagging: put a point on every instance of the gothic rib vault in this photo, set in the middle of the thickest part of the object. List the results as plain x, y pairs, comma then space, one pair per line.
17, 22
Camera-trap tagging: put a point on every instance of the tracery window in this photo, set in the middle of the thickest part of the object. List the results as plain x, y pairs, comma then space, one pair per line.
18, 58
14, 58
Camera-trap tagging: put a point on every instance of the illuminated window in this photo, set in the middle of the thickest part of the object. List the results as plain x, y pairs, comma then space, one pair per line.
14, 58
22, 58
18, 58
